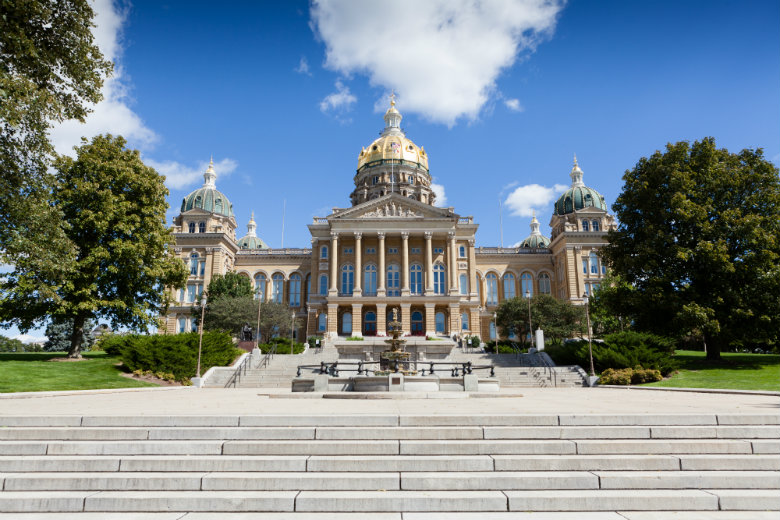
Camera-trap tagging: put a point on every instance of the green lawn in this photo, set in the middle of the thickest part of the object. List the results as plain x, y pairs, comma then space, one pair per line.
34, 372
734, 372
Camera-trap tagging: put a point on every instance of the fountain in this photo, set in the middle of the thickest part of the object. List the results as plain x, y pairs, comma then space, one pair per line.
396, 359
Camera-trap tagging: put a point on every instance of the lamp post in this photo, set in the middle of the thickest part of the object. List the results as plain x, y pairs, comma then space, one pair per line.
200, 331
292, 332
259, 305
530, 328
495, 330
590, 340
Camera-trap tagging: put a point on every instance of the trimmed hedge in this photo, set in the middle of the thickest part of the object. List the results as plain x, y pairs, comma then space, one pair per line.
282, 346
629, 376
175, 354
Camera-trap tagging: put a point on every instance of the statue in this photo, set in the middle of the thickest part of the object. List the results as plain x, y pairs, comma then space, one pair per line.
246, 332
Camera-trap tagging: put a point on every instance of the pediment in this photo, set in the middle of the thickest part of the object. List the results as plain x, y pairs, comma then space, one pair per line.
393, 206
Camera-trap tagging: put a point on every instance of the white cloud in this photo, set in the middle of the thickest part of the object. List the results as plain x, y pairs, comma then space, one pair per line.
29, 338
523, 200
303, 67
441, 197
342, 99
442, 56
113, 114
514, 105
178, 175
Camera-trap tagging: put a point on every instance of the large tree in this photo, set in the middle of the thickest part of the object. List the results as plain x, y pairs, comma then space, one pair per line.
699, 240
558, 319
51, 70
59, 332
113, 209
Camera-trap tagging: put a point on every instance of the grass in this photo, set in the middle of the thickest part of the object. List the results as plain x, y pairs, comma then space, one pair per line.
35, 372
734, 372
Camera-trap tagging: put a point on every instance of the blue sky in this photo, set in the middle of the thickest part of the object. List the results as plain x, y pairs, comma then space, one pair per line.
284, 94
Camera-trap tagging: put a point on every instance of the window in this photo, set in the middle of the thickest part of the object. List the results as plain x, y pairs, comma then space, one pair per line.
324, 252
181, 295
438, 250
369, 323
393, 280
584, 266
295, 290
260, 284
544, 284
585, 225
438, 278
347, 280
182, 324
369, 280
277, 288
348, 250
440, 323
462, 251
594, 263
492, 331
415, 279
603, 268
464, 321
375, 179
191, 293
392, 250
492, 289
509, 286
464, 284
323, 284
527, 284
201, 227
322, 323
416, 250
346, 323
192, 230
370, 250
194, 264
595, 225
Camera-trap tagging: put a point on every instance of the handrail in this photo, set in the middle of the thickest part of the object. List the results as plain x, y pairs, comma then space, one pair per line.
333, 368
242, 368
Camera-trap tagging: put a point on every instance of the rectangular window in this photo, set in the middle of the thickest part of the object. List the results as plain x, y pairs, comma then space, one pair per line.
392, 250
416, 250
202, 267
191, 293
584, 266
462, 251
438, 250
375, 180
370, 250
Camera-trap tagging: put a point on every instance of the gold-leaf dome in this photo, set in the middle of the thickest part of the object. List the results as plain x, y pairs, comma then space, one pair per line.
392, 144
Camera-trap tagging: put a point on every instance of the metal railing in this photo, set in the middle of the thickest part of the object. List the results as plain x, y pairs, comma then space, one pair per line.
242, 368
455, 369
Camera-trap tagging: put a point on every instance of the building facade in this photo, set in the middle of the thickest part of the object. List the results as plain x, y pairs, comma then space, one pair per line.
392, 249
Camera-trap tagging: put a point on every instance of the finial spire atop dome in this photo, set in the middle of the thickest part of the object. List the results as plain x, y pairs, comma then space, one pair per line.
576, 175
251, 226
535, 225
210, 177
392, 118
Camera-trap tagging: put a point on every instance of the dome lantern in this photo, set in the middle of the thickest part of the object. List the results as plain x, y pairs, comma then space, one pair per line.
251, 240
392, 118
210, 176
251, 226
535, 239
576, 175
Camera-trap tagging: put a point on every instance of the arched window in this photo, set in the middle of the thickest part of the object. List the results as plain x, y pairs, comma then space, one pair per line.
594, 263
544, 284
347, 279
464, 321
323, 323
182, 324
393, 280
509, 286
464, 284
324, 252
527, 284
277, 288
198, 202
323, 285
201, 227
192, 227
260, 284
438, 278
492, 289
415, 279
295, 290
595, 225
585, 225
346, 323
369, 280
194, 264
462, 251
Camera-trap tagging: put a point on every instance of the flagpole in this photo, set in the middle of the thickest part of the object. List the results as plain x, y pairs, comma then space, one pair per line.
284, 211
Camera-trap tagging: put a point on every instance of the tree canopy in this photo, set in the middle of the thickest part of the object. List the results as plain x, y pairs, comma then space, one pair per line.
699, 241
558, 319
230, 284
51, 70
113, 209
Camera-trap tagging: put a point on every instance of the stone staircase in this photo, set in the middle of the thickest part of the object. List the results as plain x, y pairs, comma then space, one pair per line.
524, 370
613, 466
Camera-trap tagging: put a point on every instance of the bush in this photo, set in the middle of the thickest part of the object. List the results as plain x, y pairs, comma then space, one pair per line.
474, 341
629, 376
504, 347
282, 346
172, 354
312, 341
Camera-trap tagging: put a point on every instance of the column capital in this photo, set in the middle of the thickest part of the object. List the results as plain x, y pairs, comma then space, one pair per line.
451, 235
472, 242
334, 234
380, 235
358, 235
314, 240
428, 235
404, 235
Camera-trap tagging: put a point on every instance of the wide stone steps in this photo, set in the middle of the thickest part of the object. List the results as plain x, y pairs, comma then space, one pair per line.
491, 465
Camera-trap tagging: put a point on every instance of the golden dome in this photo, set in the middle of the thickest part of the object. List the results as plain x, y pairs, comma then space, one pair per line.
392, 144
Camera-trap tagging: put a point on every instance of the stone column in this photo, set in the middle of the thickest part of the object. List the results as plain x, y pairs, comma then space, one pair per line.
453, 270
428, 263
357, 319
430, 319
357, 290
334, 260
381, 276
315, 269
406, 318
472, 268
405, 264
474, 320
454, 319
381, 319
333, 320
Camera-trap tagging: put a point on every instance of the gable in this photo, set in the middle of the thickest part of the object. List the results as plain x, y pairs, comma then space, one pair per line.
392, 206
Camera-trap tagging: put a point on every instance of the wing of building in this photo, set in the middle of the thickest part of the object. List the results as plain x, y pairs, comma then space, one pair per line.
392, 249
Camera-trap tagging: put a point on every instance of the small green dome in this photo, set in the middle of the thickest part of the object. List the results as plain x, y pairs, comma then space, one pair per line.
251, 240
208, 198
535, 240
578, 196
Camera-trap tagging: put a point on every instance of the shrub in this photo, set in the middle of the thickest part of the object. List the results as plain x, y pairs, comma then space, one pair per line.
355, 338
172, 354
312, 341
282, 346
629, 376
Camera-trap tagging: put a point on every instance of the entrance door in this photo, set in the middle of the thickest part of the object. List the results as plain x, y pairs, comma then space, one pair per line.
346, 323
369, 324
417, 324
439, 323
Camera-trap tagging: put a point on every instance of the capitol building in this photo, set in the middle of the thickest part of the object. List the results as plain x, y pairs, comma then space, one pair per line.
392, 249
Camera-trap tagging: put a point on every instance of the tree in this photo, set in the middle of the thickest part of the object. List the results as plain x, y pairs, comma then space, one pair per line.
608, 312
275, 320
558, 319
15, 345
113, 209
59, 333
229, 314
699, 240
230, 284
51, 70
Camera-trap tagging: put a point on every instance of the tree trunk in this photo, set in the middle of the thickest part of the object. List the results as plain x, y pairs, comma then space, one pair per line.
713, 347
77, 336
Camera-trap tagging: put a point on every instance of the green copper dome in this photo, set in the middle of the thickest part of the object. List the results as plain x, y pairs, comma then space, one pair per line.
208, 198
578, 196
251, 240
535, 240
